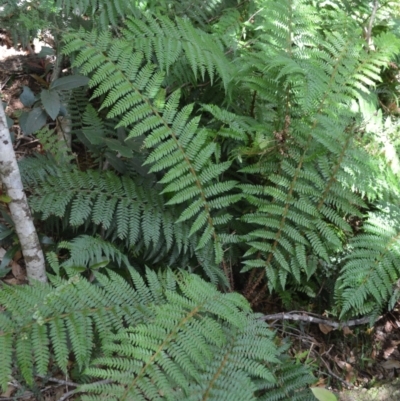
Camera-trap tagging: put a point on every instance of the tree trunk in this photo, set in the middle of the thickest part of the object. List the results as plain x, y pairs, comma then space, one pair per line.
20, 212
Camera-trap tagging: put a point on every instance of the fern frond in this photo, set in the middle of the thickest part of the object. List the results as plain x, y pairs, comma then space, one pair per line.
107, 12
169, 41
368, 278
189, 355
125, 209
186, 339
87, 251
178, 146
301, 209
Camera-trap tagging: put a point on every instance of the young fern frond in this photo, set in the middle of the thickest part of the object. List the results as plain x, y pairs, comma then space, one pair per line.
179, 149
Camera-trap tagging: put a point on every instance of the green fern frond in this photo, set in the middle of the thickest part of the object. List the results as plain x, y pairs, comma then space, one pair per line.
125, 209
169, 41
189, 356
301, 208
88, 251
131, 88
368, 278
186, 339
105, 12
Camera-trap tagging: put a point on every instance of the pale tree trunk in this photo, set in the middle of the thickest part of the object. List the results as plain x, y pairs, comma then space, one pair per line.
20, 212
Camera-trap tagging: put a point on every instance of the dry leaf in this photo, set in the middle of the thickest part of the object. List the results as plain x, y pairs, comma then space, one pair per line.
344, 365
347, 331
391, 364
11, 281
390, 349
325, 328
9, 392
18, 271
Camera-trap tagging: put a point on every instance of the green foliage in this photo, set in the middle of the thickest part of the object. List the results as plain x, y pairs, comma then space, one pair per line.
370, 274
222, 138
169, 41
186, 340
178, 147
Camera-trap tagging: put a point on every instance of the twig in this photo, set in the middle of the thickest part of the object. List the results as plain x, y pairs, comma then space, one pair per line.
312, 319
74, 391
67, 395
59, 381
371, 23
346, 383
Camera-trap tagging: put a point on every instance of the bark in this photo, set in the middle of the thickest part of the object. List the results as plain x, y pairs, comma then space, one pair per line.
19, 209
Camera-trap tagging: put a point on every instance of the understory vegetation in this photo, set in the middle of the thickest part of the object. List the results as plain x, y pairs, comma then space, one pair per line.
212, 155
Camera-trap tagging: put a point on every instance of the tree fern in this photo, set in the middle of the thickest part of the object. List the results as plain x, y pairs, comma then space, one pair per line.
186, 340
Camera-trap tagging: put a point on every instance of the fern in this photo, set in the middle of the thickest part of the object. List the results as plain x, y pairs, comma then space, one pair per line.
186, 340
170, 41
178, 147
120, 209
300, 209
54, 146
125, 209
106, 12
371, 269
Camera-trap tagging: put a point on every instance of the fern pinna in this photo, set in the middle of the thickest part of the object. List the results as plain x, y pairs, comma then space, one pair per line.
185, 340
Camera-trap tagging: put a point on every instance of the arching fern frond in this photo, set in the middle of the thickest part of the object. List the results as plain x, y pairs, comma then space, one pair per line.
368, 278
185, 154
170, 41
87, 251
186, 340
126, 209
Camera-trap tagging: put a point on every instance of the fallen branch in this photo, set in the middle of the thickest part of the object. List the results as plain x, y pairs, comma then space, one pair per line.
318, 320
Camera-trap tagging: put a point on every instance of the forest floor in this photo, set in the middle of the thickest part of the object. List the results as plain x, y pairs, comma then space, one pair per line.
360, 364
386, 392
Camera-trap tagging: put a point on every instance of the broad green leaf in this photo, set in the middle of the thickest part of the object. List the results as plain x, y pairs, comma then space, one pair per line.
116, 146
46, 51
32, 121
4, 272
27, 97
6, 233
322, 394
78, 269
5, 198
99, 265
69, 82
10, 122
7, 258
51, 102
